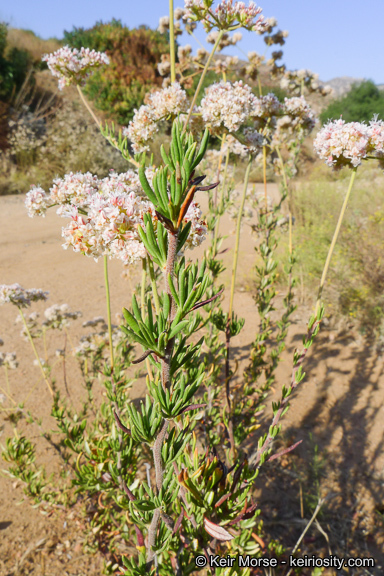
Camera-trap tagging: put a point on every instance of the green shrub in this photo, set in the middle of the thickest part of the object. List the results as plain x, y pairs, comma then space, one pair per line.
14, 65
361, 103
120, 88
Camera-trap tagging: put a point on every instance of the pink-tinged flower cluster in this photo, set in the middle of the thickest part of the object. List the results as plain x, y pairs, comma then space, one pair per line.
73, 66
199, 228
74, 189
376, 133
105, 214
20, 297
228, 14
142, 129
228, 105
109, 228
159, 105
36, 202
346, 144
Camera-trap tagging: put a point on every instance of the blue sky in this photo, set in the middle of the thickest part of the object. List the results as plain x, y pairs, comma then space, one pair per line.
331, 37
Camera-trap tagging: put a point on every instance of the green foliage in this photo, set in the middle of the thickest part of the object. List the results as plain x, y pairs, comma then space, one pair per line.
14, 65
134, 55
361, 103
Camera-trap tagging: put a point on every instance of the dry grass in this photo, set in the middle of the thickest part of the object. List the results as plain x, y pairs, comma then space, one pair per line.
27, 40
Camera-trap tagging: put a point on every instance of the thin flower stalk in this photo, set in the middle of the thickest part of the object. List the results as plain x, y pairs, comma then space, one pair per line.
265, 177
221, 202
172, 41
334, 240
203, 74
108, 297
35, 351
285, 182
86, 104
231, 298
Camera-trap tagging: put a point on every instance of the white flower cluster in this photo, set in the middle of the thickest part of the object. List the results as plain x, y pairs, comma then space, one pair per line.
58, 316
17, 295
298, 120
36, 202
251, 69
346, 144
33, 327
73, 189
253, 140
94, 342
8, 360
164, 24
72, 66
226, 64
229, 14
293, 80
169, 101
105, 214
226, 39
267, 106
109, 228
76, 189
199, 228
228, 105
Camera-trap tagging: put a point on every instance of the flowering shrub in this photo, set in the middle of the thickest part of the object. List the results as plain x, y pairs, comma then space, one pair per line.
195, 425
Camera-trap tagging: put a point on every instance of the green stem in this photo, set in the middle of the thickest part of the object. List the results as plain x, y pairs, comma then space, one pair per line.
172, 42
35, 351
7, 380
98, 123
265, 177
207, 64
221, 205
143, 281
45, 344
108, 310
154, 285
334, 240
289, 200
237, 240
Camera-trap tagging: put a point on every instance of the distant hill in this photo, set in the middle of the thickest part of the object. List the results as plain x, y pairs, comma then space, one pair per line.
343, 84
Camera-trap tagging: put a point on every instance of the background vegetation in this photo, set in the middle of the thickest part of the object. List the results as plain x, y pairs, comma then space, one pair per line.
358, 105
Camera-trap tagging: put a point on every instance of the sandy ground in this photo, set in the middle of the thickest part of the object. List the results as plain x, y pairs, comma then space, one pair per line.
339, 407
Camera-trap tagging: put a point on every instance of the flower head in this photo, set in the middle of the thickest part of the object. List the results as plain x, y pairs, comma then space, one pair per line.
8, 360
17, 295
36, 202
228, 105
229, 15
343, 144
73, 66
159, 105
58, 316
